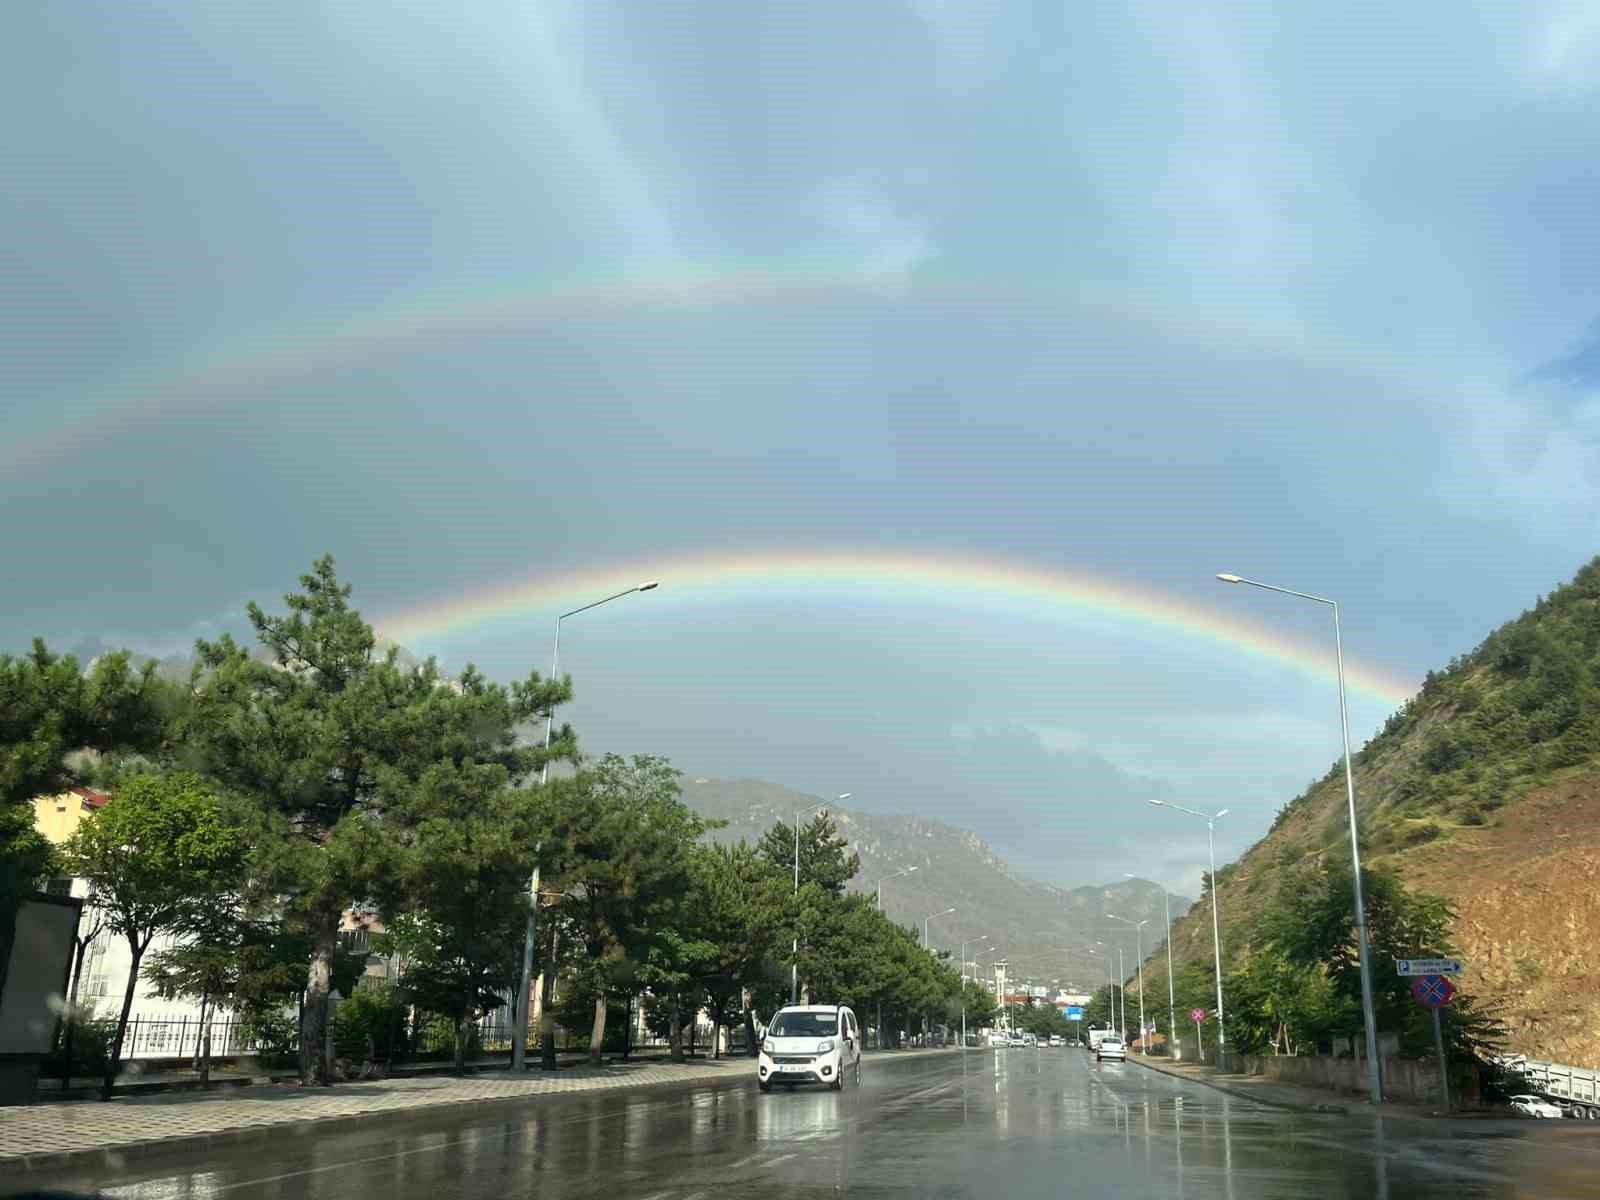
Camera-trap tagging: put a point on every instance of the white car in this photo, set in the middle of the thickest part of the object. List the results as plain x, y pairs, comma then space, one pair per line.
1111, 1048
810, 1043
1535, 1106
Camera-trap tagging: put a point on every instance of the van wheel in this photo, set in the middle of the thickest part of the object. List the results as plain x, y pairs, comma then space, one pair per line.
763, 1085
837, 1082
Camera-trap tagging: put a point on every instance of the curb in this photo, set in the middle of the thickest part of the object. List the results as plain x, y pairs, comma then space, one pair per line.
1246, 1094
114, 1157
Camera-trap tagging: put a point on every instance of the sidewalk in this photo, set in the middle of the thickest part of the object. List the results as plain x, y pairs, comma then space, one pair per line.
50, 1136
1275, 1094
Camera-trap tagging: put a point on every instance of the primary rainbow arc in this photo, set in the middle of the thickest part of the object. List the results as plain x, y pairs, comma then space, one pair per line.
924, 576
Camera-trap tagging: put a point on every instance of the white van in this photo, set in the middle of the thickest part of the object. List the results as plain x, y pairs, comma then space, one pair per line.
810, 1043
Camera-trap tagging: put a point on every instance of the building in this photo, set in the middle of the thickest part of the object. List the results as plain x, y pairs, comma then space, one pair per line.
58, 817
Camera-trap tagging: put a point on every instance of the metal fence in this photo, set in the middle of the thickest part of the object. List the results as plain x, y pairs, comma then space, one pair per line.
149, 1038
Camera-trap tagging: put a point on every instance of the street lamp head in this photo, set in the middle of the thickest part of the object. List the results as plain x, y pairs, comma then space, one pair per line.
650, 586
1159, 803
842, 796
1220, 815
1227, 578
909, 870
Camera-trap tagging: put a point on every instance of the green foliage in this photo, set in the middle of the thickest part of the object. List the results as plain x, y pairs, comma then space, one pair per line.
90, 1051
824, 861
370, 1023
48, 707
337, 746
1315, 932
274, 1032
159, 858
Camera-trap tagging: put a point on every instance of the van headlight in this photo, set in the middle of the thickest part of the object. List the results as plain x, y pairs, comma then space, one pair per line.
825, 1046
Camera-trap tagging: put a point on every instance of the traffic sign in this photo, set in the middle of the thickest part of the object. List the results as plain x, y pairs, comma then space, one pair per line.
1433, 991
1074, 1012
1198, 1014
1427, 966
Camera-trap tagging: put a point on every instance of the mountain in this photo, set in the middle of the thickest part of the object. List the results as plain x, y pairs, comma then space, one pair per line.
1030, 921
1485, 789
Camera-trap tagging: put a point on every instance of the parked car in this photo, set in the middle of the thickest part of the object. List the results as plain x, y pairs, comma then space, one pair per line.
1111, 1047
810, 1043
1057, 1040
1535, 1106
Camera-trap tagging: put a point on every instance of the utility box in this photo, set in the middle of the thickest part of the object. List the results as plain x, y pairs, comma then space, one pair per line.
34, 991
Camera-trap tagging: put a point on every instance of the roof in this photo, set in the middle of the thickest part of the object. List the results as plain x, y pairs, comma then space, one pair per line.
91, 797
817, 1008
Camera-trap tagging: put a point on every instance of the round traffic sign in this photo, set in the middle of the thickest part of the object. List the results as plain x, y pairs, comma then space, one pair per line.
1433, 991
1197, 1014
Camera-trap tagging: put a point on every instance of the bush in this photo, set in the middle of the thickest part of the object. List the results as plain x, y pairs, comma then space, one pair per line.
275, 1034
436, 1037
370, 1024
91, 1049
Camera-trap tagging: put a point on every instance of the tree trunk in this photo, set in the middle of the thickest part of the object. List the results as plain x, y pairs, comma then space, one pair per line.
675, 1032
597, 1035
752, 1042
547, 1020
200, 1062
114, 1059
694, 1021
464, 1029
69, 1026
314, 1015
627, 1030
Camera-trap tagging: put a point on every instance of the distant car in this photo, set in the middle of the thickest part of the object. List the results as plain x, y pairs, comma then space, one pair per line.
1018, 1039
810, 1043
1535, 1106
1057, 1040
1111, 1048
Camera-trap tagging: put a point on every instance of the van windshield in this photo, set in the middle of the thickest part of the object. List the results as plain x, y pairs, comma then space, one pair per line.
804, 1024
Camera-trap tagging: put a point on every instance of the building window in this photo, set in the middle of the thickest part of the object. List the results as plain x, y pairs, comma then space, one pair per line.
59, 886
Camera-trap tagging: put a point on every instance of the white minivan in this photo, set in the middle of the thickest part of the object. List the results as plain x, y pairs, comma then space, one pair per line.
810, 1043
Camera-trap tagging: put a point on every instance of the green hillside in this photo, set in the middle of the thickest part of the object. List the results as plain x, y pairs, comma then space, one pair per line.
1478, 789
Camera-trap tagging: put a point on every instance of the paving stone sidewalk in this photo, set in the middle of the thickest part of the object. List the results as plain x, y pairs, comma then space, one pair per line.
51, 1135
1275, 1093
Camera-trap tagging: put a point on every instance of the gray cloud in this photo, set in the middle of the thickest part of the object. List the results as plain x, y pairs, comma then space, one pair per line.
1134, 291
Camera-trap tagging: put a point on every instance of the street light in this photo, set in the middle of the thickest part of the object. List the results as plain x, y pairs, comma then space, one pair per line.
1216, 930
519, 1023
1368, 1011
964, 945
1172, 1004
886, 878
1139, 930
942, 913
794, 964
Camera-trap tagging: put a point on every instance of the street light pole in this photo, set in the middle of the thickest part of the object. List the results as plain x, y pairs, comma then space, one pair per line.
941, 913
1172, 1003
886, 878
967, 942
1216, 929
794, 963
523, 1005
1363, 942
1138, 927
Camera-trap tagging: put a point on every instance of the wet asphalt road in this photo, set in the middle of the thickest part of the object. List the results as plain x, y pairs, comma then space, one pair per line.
1009, 1123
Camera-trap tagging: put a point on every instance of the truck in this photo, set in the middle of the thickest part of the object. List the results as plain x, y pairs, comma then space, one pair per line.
1096, 1036
1575, 1089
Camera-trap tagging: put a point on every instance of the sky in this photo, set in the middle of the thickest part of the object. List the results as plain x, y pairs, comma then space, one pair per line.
533, 292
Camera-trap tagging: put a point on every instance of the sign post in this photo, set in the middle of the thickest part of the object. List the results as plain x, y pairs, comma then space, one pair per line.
1198, 1015
1433, 992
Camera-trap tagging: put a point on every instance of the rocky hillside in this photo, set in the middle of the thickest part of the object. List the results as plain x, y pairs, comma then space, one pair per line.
1485, 789
1030, 920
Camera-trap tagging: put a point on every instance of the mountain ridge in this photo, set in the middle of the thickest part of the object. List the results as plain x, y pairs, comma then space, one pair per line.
1032, 922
